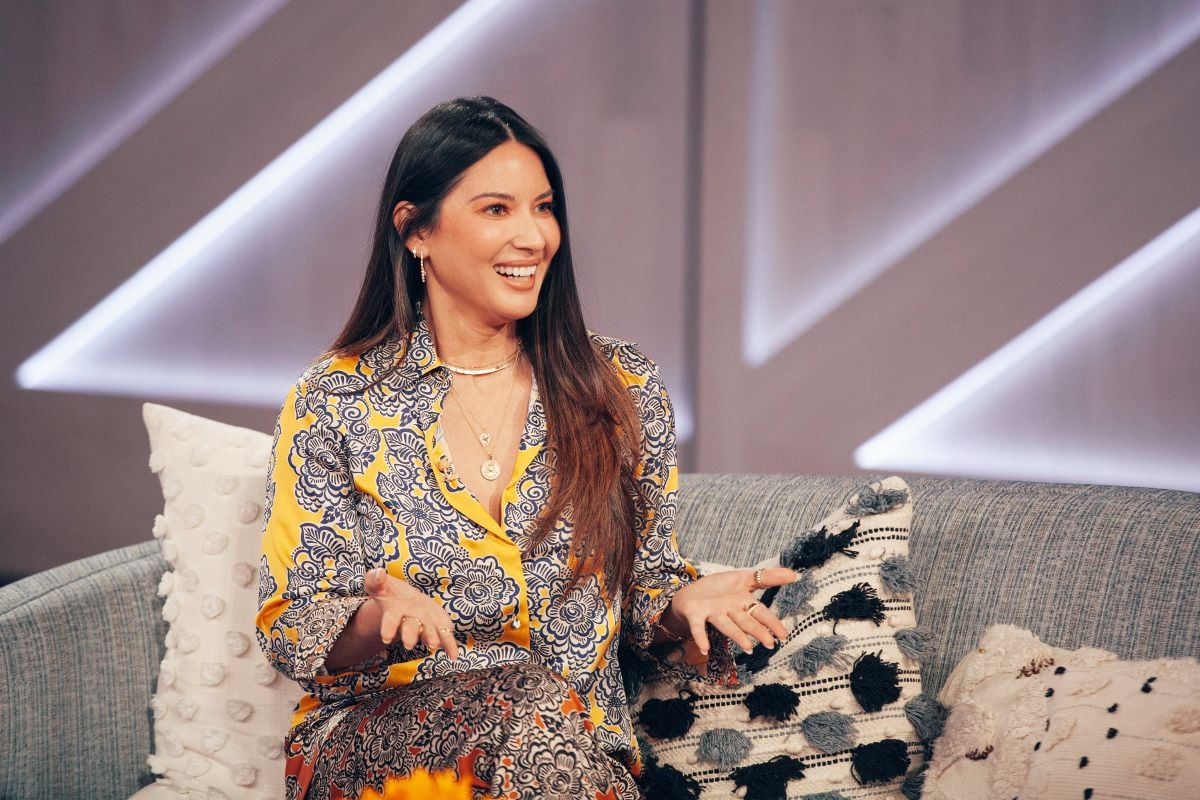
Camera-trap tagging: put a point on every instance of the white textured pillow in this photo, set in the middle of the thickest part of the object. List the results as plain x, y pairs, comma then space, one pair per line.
220, 710
1031, 720
842, 745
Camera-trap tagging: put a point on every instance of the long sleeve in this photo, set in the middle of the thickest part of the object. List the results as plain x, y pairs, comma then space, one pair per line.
312, 569
659, 568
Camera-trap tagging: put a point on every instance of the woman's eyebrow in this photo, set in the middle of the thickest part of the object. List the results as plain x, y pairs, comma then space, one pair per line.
508, 197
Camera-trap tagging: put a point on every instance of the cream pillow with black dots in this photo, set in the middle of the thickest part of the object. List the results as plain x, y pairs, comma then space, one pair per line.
1028, 720
220, 710
837, 710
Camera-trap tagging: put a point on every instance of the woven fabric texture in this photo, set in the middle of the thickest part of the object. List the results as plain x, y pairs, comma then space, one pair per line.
81, 648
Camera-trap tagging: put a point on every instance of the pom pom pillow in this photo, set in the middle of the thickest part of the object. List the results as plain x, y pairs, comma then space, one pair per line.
1029, 720
220, 710
837, 708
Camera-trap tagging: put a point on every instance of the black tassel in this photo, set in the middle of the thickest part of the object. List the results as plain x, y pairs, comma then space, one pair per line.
879, 762
756, 660
769, 780
874, 682
667, 782
858, 602
669, 719
814, 549
773, 700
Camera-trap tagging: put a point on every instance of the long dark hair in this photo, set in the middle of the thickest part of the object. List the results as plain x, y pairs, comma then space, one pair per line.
593, 429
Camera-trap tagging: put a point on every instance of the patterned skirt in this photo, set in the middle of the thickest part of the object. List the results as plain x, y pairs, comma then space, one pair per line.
516, 731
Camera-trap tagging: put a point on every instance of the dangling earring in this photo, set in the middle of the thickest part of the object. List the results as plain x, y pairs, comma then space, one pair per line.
421, 259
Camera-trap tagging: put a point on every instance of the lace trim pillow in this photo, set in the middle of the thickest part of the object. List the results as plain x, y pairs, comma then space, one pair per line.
836, 711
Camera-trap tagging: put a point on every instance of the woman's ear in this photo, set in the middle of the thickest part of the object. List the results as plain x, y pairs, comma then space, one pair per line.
400, 213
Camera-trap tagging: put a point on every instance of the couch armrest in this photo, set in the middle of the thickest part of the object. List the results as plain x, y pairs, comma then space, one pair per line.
80, 647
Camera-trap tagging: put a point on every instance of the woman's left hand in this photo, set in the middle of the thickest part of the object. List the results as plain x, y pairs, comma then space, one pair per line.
726, 601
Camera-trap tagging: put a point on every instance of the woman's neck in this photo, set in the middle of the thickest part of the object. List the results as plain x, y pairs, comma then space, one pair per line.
466, 342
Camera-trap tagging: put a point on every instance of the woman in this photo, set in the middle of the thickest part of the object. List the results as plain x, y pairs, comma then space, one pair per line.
472, 499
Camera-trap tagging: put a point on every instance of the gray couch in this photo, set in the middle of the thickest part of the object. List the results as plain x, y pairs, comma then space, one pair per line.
1079, 565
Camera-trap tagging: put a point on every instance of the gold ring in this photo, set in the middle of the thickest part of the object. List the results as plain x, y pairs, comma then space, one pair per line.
758, 576
445, 630
420, 625
750, 608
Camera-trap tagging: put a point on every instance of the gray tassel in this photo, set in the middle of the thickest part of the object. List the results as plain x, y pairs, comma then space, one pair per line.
724, 747
914, 784
927, 716
824, 796
794, 597
876, 501
916, 643
829, 731
896, 577
820, 652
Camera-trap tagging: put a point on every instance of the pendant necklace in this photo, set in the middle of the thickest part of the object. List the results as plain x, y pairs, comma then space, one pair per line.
490, 468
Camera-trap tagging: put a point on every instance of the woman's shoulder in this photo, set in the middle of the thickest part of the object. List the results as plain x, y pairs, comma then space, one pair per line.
346, 374
631, 363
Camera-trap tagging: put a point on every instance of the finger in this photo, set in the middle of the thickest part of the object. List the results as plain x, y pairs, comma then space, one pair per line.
409, 632
375, 582
767, 617
430, 636
734, 631
750, 625
699, 635
777, 576
388, 624
445, 632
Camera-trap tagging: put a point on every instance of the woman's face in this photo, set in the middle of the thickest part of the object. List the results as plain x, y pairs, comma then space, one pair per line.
487, 257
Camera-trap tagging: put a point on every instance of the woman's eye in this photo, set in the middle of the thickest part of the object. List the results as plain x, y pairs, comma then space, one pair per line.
496, 206
548, 207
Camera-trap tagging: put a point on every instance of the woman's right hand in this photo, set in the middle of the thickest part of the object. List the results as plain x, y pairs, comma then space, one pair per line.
410, 614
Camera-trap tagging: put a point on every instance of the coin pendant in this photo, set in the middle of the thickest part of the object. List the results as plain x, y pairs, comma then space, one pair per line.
490, 470
485, 438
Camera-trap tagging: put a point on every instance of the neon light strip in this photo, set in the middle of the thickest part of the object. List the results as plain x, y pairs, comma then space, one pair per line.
763, 337
892, 446
98, 144
39, 370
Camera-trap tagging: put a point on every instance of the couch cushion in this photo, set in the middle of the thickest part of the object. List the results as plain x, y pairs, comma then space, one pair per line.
81, 646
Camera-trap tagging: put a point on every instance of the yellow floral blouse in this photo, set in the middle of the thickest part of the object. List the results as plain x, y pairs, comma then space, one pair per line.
360, 477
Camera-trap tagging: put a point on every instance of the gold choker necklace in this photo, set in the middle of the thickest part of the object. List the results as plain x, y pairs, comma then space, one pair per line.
487, 369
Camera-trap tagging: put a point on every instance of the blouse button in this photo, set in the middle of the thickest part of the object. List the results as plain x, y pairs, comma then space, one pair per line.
516, 623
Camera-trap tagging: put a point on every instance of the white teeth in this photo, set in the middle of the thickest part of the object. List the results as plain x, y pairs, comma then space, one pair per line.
516, 272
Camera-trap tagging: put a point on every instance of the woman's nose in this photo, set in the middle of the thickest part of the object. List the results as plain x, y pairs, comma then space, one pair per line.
529, 234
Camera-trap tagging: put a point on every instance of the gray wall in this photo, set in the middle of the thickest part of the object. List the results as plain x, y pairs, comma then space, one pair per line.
814, 216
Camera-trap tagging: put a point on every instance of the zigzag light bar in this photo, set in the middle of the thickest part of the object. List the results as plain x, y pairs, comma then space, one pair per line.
900, 444
765, 334
51, 367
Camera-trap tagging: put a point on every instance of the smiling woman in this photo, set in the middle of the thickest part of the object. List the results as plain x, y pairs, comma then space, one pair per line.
471, 502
